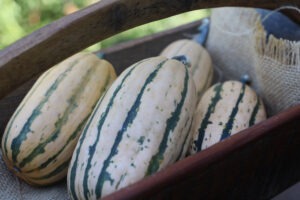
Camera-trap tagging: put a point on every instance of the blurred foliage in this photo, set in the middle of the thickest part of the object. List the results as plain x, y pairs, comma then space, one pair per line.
19, 18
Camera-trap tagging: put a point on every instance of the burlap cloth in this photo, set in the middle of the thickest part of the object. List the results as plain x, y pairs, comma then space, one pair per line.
241, 42
12, 188
238, 45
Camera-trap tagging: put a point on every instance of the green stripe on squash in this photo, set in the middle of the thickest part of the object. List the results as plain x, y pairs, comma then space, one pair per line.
83, 76
87, 177
17, 142
205, 122
73, 168
171, 124
224, 110
228, 127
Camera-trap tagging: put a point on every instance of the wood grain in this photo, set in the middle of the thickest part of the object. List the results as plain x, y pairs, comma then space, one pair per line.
257, 163
59, 40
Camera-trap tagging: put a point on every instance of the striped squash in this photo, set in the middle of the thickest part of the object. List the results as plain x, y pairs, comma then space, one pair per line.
42, 133
199, 58
225, 109
139, 127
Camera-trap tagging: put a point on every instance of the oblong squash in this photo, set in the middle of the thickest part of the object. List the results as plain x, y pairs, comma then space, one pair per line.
140, 126
42, 133
199, 58
225, 109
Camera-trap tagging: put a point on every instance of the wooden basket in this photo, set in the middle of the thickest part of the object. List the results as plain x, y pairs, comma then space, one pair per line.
258, 163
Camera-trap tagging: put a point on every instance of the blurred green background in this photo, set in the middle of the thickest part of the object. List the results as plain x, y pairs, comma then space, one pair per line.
19, 18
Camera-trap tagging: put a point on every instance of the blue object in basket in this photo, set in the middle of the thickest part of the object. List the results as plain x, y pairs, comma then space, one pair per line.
203, 29
279, 25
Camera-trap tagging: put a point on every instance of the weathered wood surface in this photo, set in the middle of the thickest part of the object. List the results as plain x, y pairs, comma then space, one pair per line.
49, 45
257, 163
123, 55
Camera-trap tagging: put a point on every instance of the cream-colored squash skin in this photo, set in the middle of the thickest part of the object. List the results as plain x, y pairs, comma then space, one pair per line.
200, 60
140, 126
225, 109
42, 133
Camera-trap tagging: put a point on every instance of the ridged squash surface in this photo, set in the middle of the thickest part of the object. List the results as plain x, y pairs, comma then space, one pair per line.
140, 126
225, 109
42, 133
200, 62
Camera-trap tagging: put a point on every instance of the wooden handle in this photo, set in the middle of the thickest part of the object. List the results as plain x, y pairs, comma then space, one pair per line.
59, 40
